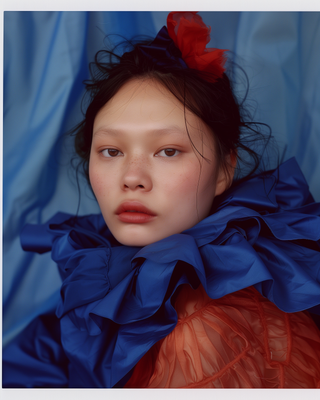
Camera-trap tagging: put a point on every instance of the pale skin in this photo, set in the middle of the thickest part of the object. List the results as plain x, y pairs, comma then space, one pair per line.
141, 155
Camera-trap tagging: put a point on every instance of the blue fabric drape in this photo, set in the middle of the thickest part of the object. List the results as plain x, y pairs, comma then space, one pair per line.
46, 57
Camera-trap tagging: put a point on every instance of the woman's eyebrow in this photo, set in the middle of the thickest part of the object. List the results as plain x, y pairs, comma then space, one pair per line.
169, 130
105, 131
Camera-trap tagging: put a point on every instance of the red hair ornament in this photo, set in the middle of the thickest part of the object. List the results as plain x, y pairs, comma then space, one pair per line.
190, 35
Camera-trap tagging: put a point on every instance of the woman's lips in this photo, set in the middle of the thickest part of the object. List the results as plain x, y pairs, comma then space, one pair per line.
134, 213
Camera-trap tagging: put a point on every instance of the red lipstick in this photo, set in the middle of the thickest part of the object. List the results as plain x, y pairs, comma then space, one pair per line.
133, 212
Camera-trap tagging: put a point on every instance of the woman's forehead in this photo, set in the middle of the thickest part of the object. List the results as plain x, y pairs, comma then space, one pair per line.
142, 91
147, 103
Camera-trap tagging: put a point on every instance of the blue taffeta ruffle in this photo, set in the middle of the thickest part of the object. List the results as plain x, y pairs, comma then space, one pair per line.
116, 300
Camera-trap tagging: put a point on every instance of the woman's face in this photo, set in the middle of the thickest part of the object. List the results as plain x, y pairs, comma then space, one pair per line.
145, 174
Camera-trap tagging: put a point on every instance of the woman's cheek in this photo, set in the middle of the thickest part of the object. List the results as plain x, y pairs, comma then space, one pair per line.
183, 185
98, 179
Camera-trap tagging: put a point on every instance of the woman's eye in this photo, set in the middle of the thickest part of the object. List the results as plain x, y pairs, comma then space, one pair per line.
168, 153
111, 153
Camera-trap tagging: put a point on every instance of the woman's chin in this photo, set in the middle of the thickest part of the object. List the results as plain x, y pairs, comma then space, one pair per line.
135, 242
139, 239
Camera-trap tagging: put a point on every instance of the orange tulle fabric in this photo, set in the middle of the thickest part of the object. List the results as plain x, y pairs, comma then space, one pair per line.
239, 341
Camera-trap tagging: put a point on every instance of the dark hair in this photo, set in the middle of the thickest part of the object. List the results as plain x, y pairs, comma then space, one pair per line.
213, 102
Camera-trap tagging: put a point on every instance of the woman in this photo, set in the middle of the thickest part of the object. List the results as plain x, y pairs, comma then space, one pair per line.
112, 320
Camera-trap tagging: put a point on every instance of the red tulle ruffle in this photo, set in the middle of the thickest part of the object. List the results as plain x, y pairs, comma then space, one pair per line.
191, 36
239, 341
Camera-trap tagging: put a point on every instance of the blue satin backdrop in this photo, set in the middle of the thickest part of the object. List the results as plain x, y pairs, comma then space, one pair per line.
46, 57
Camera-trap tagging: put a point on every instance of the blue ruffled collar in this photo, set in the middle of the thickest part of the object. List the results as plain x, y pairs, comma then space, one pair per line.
264, 232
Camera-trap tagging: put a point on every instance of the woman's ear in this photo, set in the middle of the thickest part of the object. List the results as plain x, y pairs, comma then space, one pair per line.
226, 173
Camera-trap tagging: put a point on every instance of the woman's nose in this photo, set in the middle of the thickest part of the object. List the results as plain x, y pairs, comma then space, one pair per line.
137, 175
